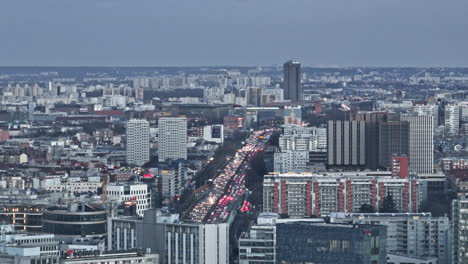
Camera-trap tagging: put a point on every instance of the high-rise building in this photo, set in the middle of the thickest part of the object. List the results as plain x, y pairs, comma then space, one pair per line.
138, 142
452, 120
421, 146
292, 81
373, 121
393, 141
172, 139
417, 235
346, 143
460, 231
303, 242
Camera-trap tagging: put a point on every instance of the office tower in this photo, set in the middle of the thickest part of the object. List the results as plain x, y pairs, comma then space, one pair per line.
292, 115
421, 146
179, 242
173, 177
452, 120
308, 194
372, 120
416, 235
302, 242
138, 142
460, 231
346, 143
393, 141
400, 167
172, 139
427, 109
292, 81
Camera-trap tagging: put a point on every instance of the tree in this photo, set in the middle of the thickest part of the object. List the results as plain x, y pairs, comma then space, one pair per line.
366, 208
388, 205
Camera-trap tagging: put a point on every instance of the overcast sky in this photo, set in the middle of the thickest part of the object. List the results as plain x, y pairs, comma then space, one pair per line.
233, 32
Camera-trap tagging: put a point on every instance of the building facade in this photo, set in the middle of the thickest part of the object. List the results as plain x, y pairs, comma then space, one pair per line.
346, 143
421, 143
417, 235
172, 138
292, 81
307, 194
138, 142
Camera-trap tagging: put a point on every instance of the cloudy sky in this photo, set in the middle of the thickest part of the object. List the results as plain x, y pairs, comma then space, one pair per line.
233, 32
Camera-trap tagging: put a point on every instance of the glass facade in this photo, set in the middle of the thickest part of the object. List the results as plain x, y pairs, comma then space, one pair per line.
330, 244
83, 224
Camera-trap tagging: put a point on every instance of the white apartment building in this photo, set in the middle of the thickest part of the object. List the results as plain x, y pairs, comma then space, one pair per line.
130, 191
172, 138
138, 142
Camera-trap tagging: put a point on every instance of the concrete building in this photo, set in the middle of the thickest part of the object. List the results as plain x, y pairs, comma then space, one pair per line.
346, 143
213, 133
417, 235
308, 194
291, 161
452, 120
126, 191
172, 138
421, 143
292, 81
138, 142
178, 242
303, 138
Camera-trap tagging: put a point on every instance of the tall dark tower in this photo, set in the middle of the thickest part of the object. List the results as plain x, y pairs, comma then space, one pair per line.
292, 81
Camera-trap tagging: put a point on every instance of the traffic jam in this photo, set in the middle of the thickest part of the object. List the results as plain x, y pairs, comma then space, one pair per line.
228, 190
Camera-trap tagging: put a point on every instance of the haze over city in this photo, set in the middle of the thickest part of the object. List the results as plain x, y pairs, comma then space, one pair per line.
233, 32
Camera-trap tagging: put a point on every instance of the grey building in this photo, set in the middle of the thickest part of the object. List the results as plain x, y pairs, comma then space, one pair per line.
346, 143
302, 242
393, 140
292, 81
372, 120
416, 235
138, 142
172, 138
179, 242
421, 143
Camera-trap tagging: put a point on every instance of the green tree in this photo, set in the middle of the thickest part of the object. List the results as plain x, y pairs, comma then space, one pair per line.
388, 205
366, 208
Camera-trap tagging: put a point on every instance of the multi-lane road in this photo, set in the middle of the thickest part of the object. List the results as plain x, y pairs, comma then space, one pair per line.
228, 189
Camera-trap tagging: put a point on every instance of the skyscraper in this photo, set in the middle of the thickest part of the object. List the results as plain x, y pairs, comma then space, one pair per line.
346, 143
292, 81
421, 146
172, 140
393, 140
372, 120
138, 142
